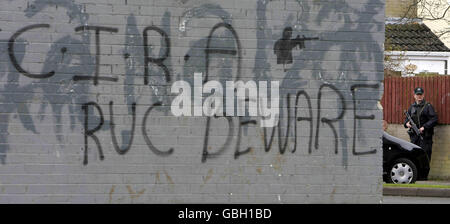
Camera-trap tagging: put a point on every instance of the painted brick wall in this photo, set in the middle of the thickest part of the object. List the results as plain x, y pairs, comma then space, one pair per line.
77, 75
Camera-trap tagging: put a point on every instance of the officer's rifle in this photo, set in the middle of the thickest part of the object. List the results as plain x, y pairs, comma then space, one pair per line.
413, 125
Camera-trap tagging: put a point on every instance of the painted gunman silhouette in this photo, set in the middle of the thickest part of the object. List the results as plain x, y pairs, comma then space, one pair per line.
283, 47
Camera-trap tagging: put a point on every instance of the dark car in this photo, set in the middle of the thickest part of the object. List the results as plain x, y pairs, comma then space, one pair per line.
403, 162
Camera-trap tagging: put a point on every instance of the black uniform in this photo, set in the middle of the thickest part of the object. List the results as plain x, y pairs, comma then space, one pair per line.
423, 115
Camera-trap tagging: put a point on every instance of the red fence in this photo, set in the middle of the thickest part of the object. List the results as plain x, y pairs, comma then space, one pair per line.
399, 95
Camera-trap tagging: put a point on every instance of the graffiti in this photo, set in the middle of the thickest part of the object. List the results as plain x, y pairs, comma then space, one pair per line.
242, 123
113, 133
205, 153
156, 61
282, 146
283, 47
121, 151
309, 119
360, 117
13, 58
209, 50
97, 30
147, 139
90, 132
328, 120
304, 112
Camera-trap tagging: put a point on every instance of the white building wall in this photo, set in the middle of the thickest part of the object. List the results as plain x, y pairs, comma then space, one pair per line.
432, 62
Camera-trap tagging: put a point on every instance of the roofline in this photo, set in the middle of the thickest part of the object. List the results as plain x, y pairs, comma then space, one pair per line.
422, 53
400, 20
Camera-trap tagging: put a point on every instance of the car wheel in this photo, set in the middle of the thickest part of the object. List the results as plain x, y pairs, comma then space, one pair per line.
403, 171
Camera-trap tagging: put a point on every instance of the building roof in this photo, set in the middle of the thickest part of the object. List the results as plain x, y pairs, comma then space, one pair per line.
412, 37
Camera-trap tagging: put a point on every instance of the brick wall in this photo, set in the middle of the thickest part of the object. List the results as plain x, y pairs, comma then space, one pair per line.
86, 92
440, 158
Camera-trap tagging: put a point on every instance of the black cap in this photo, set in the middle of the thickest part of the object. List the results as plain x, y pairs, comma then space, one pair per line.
418, 91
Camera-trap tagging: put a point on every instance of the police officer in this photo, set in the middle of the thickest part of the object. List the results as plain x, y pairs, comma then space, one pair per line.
424, 116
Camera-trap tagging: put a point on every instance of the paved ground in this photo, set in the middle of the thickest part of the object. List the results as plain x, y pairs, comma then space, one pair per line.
419, 191
414, 200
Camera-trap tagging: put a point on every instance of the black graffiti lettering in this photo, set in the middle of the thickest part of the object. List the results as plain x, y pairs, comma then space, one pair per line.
113, 133
205, 142
206, 154
97, 76
268, 146
90, 133
13, 59
238, 153
209, 51
283, 141
282, 147
328, 120
156, 61
145, 134
309, 119
283, 48
360, 117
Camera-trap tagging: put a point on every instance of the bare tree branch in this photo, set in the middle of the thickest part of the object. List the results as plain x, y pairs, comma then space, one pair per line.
411, 8
437, 18
428, 10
